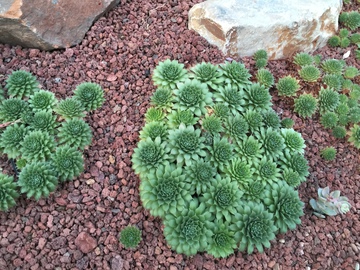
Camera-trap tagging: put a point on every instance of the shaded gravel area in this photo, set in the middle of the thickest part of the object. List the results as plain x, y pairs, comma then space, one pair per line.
77, 227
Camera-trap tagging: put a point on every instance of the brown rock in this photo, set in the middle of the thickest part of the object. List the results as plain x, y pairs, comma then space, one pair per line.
85, 242
47, 24
117, 263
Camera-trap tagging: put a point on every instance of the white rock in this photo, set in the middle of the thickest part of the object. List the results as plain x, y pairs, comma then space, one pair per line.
281, 27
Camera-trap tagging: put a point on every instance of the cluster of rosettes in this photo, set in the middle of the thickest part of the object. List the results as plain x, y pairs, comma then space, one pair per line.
44, 135
215, 162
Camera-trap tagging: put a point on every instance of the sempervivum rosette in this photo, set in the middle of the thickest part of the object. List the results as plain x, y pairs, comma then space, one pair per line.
21, 84
235, 74
222, 242
11, 138
70, 108
91, 95
169, 73
75, 132
37, 146
207, 73
8, 192
11, 109
42, 100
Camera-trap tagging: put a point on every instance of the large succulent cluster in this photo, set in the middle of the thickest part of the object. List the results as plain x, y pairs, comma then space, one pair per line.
216, 165
44, 135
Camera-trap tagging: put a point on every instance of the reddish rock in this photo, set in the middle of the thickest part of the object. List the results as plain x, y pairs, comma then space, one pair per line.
117, 263
85, 242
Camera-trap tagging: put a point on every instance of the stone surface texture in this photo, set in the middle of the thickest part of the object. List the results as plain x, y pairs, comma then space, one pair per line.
85, 242
49, 24
281, 27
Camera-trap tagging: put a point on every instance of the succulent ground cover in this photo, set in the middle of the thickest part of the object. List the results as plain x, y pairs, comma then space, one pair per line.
120, 54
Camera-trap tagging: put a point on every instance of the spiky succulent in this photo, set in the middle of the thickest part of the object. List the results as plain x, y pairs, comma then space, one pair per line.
351, 72
200, 175
162, 98
43, 121
309, 73
148, 155
343, 120
345, 42
355, 38
291, 177
75, 132
293, 140
11, 138
194, 96
37, 146
343, 33
70, 108
287, 123
271, 119
303, 59
328, 153
329, 119
130, 237
296, 162
176, 117
221, 110
236, 127
287, 86
42, 100
11, 109
260, 54
254, 227
207, 73
346, 84
37, 180
154, 114
231, 97
332, 81
154, 129
332, 66
355, 92
284, 202
189, 231
267, 170
21, 84
212, 124
352, 20
265, 77
334, 41
254, 119
257, 96
221, 152
272, 141
222, 198
8, 192
355, 136
253, 191
68, 162
165, 191
168, 73
261, 63
249, 148
354, 115
222, 242
91, 95
339, 132
240, 171
235, 74
305, 105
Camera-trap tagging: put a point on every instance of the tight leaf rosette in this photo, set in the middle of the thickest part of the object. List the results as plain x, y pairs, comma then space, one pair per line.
42, 100
176, 117
207, 73
130, 237
11, 138
165, 191
296, 162
162, 98
21, 84
8, 192
257, 96
11, 109
200, 175
68, 162
37, 180
91, 95
189, 231
154, 129
169, 73
240, 171
272, 142
222, 242
284, 202
75, 132
70, 108
235, 74
236, 127
221, 152
231, 97
44, 121
37, 146
254, 227
194, 96
293, 140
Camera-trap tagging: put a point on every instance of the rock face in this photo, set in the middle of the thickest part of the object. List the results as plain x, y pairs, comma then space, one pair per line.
85, 242
49, 24
281, 27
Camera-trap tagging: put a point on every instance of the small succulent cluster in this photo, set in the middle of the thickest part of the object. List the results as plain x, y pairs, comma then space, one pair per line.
328, 153
261, 59
45, 136
130, 237
330, 203
216, 163
351, 22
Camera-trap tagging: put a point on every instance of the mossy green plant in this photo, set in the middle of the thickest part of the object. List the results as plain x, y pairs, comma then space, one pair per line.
309, 73
130, 237
328, 153
305, 105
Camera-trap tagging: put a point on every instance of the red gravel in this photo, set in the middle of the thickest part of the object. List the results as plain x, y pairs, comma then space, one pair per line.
119, 52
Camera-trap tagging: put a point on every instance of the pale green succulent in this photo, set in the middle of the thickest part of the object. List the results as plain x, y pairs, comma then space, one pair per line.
303, 59
231, 97
11, 139
8, 192
207, 73
332, 66
293, 140
222, 242
235, 74
305, 105
355, 136
162, 98
130, 237
257, 96
176, 117
328, 100
42, 100
168, 73
21, 84
287, 86
70, 108
265, 77
309, 73
154, 114
91, 95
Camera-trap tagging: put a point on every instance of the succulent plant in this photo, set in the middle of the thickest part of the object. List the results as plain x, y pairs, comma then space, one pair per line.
154, 129
207, 73
343, 33
343, 120
91, 95
199, 175
355, 136
212, 124
221, 110
254, 227
328, 100
332, 81
296, 162
11, 138
287, 123
254, 119
284, 203
70, 108
68, 162
249, 148
37, 180
303, 59
352, 20
328, 153
352, 103
253, 190
162, 98
265, 77
261, 63
351, 72
130, 237
267, 170
176, 117
305, 105
75, 132
21, 84
334, 41
231, 97
272, 141
43, 121
8, 192
329, 203
240, 171
11, 109
168, 73
332, 66
221, 152
291, 177
287, 86
165, 191
355, 38
329, 120
271, 119
222, 242
42, 100
257, 96
235, 74
339, 132
354, 115
154, 114
346, 84
293, 140
309, 73
37, 146
236, 127
189, 231
260, 54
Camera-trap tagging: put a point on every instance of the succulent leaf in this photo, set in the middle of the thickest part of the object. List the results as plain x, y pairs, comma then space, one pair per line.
70, 108
21, 84
8, 192
91, 95
37, 146
168, 73
42, 100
